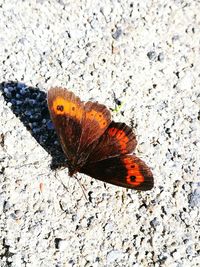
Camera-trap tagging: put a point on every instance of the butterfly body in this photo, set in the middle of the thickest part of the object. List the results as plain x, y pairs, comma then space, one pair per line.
95, 145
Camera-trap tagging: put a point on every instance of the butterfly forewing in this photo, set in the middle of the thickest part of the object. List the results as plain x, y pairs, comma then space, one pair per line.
96, 120
66, 112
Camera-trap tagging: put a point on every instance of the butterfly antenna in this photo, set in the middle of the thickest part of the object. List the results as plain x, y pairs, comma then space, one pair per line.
24, 165
29, 164
82, 186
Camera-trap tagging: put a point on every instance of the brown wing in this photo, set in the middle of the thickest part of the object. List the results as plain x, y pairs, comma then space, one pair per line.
127, 171
67, 112
95, 121
117, 140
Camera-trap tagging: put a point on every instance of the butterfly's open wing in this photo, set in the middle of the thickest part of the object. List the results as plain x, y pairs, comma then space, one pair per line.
118, 139
67, 112
127, 171
96, 120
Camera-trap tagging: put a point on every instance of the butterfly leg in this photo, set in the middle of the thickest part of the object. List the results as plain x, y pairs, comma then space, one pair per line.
81, 186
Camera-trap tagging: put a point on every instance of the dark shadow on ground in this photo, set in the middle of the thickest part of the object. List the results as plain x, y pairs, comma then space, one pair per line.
29, 104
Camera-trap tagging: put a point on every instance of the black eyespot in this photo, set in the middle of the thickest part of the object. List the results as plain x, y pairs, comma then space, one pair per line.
60, 108
132, 166
73, 108
133, 178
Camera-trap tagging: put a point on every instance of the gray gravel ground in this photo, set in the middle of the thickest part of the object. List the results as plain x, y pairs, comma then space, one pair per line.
141, 54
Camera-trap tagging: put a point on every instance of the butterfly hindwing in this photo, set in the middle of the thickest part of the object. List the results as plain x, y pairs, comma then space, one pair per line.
118, 139
127, 171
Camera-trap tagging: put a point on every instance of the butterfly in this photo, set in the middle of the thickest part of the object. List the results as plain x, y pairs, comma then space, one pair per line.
94, 144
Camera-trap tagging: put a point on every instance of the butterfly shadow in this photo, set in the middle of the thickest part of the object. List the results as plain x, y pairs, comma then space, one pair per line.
29, 104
